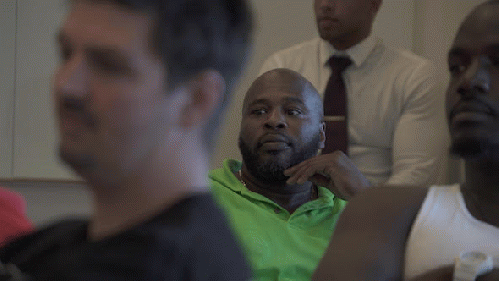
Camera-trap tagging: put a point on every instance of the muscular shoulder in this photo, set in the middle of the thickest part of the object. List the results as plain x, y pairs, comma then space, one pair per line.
402, 57
411, 77
408, 67
381, 203
369, 240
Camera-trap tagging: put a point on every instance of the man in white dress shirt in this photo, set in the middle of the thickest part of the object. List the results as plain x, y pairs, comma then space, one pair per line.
395, 122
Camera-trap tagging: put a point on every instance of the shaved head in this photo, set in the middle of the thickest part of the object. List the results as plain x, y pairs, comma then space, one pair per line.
285, 80
282, 124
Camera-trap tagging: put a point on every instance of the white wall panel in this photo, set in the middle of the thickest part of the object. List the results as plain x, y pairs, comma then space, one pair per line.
35, 139
279, 24
7, 82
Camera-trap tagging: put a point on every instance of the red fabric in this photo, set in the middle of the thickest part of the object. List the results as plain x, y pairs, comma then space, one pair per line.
13, 219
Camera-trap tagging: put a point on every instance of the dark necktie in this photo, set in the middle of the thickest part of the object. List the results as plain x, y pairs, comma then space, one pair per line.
335, 107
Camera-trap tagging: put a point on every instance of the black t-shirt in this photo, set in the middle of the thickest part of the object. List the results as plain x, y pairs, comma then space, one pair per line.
189, 241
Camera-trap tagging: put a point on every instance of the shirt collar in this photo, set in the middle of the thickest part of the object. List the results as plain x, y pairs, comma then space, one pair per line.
358, 53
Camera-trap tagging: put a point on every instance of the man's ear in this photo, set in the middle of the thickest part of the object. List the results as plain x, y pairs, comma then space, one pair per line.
323, 135
206, 91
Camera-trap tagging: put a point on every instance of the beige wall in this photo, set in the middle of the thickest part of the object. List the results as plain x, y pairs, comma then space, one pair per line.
426, 26
7, 81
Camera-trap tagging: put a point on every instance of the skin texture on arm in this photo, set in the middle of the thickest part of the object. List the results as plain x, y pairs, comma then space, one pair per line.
369, 239
420, 140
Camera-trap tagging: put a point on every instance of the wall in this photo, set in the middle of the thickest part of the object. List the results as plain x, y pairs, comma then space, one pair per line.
49, 201
7, 81
35, 135
426, 26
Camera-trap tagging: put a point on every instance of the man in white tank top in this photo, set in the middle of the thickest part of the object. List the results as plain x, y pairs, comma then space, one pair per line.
416, 233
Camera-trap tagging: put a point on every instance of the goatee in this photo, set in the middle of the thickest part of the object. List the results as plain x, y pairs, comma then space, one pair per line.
271, 171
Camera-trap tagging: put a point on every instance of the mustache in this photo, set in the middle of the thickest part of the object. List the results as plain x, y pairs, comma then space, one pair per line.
274, 137
78, 109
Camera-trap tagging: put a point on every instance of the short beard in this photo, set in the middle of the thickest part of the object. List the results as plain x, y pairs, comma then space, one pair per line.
272, 171
473, 148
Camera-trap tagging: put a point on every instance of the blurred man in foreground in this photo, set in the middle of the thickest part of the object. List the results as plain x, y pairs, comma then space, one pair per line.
138, 92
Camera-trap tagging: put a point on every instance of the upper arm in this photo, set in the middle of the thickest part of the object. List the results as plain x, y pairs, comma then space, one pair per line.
421, 140
369, 240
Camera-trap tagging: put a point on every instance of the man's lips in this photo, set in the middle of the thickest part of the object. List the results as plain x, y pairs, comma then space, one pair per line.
470, 112
274, 142
273, 138
327, 20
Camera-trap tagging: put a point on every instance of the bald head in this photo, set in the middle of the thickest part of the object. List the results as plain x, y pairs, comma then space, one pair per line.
281, 124
283, 80
484, 16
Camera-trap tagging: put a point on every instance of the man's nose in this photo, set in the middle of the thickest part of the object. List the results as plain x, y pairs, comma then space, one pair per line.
326, 4
70, 78
476, 79
276, 120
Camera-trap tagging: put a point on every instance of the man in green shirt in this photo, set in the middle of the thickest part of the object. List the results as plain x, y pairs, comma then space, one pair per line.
283, 200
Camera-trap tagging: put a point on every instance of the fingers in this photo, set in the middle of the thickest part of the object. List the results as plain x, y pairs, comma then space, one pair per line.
334, 171
302, 174
318, 165
292, 170
321, 180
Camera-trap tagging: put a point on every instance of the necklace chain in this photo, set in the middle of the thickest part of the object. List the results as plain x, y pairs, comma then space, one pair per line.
241, 179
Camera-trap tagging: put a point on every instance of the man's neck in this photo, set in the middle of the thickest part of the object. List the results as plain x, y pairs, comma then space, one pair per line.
289, 197
140, 195
481, 190
347, 42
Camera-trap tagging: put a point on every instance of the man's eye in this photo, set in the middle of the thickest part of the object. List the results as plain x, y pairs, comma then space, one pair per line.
456, 69
259, 111
294, 112
64, 54
106, 66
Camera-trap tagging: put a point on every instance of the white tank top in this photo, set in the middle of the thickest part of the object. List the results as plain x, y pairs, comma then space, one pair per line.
443, 229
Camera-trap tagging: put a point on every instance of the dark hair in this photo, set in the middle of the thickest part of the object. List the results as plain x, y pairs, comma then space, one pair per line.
195, 35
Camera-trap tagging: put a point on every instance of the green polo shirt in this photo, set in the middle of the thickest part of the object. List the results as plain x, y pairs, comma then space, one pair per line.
279, 245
